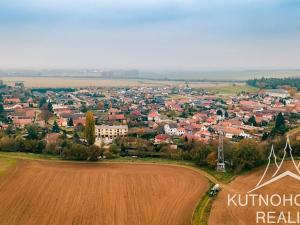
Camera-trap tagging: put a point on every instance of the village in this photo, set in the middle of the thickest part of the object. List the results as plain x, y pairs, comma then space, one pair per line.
158, 115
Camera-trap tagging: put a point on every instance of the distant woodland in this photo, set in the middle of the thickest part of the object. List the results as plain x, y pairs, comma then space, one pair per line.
272, 83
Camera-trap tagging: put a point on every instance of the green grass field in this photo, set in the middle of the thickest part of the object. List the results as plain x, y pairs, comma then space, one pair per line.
29, 156
232, 89
202, 211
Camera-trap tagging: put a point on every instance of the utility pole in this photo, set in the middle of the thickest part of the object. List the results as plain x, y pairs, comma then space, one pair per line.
221, 161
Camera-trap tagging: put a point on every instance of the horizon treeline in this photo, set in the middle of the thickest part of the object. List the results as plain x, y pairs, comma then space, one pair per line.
273, 83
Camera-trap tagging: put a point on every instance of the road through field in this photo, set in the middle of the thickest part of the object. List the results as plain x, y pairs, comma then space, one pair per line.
50, 193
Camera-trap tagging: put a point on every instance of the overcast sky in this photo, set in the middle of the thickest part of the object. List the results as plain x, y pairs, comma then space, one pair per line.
150, 34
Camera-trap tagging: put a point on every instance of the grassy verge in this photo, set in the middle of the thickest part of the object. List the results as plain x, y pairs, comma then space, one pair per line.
225, 178
220, 177
202, 211
5, 163
150, 160
30, 156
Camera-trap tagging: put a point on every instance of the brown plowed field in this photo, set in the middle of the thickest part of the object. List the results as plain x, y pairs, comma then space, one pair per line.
223, 215
50, 193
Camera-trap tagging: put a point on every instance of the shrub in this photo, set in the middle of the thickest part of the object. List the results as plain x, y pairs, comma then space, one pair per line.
7, 144
75, 152
248, 155
52, 149
93, 153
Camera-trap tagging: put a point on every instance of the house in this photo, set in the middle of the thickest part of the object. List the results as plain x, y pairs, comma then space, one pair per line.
171, 129
52, 138
78, 118
211, 120
278, 93
12, 101
13, 107
108, 133
153, 116
231, 132
61, 111
63, 122
180, 131
152, 125
136, 113
162, 138
204, 134
22, 121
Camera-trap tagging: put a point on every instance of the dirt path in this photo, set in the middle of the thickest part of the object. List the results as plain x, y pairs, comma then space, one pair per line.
38, 192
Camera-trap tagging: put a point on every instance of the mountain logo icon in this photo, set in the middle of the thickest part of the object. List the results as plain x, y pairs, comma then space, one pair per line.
279, 171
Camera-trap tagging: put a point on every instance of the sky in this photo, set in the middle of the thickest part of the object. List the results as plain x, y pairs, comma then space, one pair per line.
150, 34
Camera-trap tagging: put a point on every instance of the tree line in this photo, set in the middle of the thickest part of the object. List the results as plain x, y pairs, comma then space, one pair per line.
273, 83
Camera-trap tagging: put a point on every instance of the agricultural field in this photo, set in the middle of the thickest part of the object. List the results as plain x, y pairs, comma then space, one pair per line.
222, 214
5, 164
232, 89
63, 82
45, 192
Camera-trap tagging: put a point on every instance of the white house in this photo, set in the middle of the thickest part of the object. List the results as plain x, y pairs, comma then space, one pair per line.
171, 129
108, 133
180, 131
278, 93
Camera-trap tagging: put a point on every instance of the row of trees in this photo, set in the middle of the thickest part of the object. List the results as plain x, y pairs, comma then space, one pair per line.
239, 156
280, 128
67, 149
32, 139
275, 82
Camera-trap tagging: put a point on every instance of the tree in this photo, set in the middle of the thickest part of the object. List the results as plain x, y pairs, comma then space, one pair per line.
46, 114
101, 105
172, 114
264, 136
75, 152
50, 107
93, 153
9, 130
280, 127
226, 114
248, 155
32, 133
1, 108
76, 138
83, 108
70, 122
212, 159
3, 117
42, 102
55, 127
252, 121
219, 112
7, 144
90, 128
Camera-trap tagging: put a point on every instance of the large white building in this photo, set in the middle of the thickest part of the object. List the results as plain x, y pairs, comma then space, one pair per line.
278, 93
106, 133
